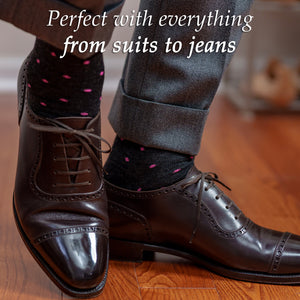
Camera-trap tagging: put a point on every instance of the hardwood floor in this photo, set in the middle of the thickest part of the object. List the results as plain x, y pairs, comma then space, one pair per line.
258, 159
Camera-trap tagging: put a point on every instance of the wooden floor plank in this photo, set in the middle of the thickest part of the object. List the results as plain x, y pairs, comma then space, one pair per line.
179, 294
265, 200
172, 272
264, 146
232, 289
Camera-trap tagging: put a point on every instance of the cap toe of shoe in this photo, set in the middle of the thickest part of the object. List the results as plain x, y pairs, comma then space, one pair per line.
79, 260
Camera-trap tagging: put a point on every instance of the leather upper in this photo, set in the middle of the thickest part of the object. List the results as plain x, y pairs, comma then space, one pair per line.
167, 217
59, 196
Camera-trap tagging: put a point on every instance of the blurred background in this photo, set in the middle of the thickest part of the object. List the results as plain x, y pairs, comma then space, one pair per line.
263, 76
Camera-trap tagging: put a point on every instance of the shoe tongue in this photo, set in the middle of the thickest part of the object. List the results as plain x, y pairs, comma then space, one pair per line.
192, 172
75, 122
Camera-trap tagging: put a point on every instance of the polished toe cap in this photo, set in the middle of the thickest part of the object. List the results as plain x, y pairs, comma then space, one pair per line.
79, 260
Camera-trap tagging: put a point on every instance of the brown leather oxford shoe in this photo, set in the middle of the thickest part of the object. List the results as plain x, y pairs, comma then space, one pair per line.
194, 219
60, 205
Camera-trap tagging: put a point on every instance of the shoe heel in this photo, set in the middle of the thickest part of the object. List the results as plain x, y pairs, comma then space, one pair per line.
128, 251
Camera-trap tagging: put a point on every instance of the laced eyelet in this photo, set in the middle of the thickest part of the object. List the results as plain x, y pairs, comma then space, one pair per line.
210, 179
227, 207
217, 197
236, 217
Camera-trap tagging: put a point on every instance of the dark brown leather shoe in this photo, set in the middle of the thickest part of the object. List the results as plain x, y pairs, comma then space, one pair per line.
60, 204
194, 219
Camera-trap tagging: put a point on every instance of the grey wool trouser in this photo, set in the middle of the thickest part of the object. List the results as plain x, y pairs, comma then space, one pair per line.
163, 98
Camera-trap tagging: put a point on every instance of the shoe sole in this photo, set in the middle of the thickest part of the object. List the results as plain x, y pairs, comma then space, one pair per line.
135, 251
78, 293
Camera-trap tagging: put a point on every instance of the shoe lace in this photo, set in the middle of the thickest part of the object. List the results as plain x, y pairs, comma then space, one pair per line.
84, 138
199, 179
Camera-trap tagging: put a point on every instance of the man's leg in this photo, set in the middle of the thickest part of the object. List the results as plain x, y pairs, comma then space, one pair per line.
163, 99
59, 200
61, 83
160, 111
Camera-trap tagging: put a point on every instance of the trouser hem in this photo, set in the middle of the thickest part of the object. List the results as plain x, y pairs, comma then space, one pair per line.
158, 125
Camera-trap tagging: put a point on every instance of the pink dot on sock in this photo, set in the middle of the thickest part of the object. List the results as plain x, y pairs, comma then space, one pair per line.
43, 103
29, 85
152, 166
66, 76
45, 80
87, 90
100, 98
142, 149
176, 171
101, 73
38, 61
86, 62
127, 159
84, 114
139, 189
122, 139
53, 54
63, 100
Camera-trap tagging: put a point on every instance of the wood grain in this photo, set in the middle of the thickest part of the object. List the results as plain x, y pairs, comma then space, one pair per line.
258, 158
121, 283
231, 289
172, 273
179, 294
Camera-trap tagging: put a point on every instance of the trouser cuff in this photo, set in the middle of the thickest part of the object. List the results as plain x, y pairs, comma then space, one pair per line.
158, 125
